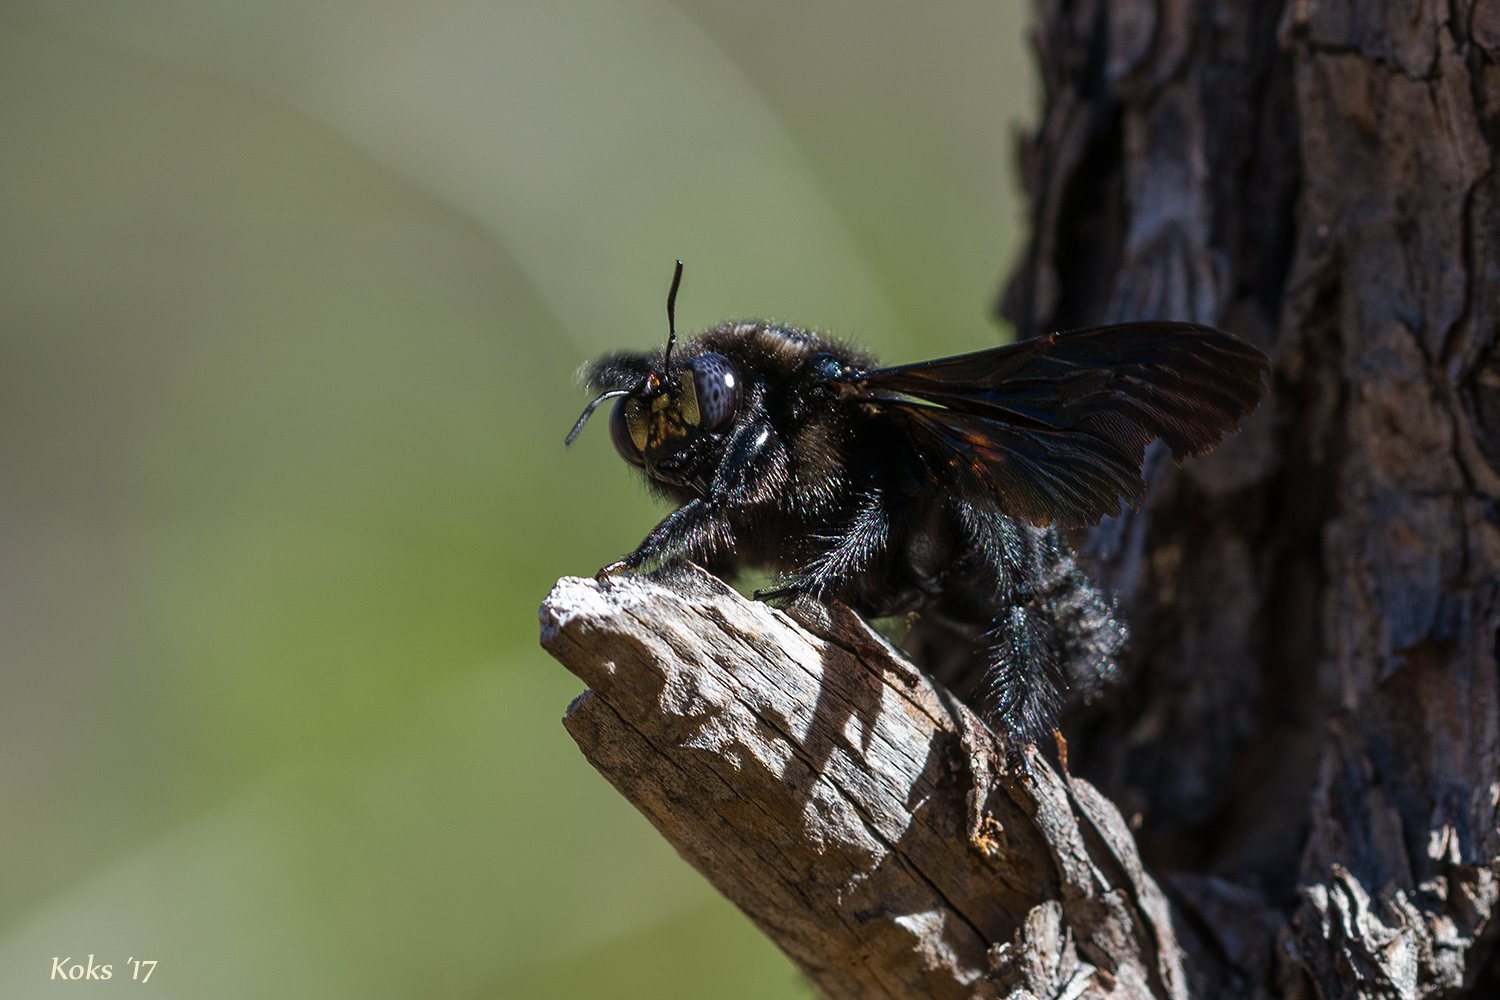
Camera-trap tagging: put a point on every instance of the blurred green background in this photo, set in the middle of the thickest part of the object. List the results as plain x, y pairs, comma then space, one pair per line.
292, 294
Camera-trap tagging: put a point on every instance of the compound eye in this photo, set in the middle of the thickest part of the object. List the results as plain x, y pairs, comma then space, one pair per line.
619, 433
824, 367
718, 390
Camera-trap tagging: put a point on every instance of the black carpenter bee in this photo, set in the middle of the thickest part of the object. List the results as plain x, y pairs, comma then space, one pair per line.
937, 487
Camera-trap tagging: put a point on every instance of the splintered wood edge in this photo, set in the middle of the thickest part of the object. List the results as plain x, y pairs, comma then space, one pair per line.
855, 811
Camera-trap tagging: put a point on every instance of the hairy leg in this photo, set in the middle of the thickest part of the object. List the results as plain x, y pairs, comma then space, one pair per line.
695, 531
864, 537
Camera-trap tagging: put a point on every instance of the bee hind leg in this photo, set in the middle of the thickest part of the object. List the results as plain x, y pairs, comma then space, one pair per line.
1025, 683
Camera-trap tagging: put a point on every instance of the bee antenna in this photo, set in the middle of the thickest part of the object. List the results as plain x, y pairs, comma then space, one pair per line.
672, 314
589, 412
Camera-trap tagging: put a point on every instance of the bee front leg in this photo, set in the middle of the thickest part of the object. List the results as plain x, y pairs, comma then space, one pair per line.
693, 531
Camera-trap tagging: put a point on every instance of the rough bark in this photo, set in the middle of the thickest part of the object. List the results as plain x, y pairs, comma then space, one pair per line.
1309, 737
859, 814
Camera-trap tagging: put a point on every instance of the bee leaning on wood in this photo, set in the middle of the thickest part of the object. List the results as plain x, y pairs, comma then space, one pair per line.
937, 487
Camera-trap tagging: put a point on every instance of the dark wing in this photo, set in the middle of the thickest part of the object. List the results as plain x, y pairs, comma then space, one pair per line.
1056, 428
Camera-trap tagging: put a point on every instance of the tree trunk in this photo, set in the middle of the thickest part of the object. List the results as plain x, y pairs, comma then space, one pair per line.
1308, 740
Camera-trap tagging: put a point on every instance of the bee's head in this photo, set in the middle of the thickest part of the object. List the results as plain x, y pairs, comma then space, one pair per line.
666, 409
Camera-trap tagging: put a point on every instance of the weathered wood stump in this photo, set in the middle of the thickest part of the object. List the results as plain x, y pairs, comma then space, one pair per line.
858, 813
